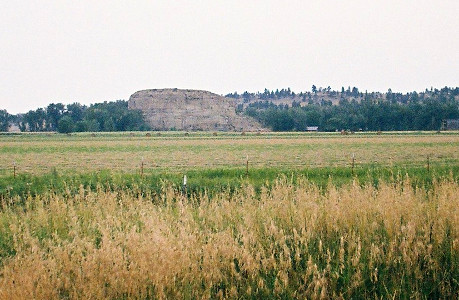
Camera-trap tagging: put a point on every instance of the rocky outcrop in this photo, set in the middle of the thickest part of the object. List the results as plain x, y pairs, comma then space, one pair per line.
176, 109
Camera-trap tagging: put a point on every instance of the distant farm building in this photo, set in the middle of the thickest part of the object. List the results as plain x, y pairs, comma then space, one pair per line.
452, 124
312, 128
14, 128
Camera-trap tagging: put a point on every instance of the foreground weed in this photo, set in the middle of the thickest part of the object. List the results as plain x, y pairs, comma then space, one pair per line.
291, 240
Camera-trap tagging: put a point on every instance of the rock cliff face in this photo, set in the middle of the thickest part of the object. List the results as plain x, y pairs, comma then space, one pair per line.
177, 109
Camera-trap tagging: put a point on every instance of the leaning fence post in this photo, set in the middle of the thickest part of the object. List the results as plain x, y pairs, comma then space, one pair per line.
353, 163
247, 166
14, 169
141, 167
428, 163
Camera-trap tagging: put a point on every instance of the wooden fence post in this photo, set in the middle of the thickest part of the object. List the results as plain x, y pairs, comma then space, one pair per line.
247, 166
141, 168
353, 163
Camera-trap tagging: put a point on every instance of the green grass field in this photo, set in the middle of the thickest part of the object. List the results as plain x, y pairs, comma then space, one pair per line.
213, 161
38, 153
317, 216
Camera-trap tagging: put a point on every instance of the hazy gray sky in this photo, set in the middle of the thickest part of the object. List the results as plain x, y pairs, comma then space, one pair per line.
92, 51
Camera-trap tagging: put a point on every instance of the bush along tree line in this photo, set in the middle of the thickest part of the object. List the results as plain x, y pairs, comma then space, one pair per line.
106, 116
356, 111
5, 119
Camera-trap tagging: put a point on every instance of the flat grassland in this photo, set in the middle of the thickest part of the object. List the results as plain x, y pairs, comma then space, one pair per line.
318, 216
37, 154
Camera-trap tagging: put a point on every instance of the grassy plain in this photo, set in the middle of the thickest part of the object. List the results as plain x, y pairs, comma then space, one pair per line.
79, 221
213, 162
38, 154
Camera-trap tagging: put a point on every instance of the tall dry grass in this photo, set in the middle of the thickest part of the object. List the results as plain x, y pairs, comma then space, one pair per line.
290, 241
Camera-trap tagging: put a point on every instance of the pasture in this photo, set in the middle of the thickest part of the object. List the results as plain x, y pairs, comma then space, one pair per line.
124, 152
318, 215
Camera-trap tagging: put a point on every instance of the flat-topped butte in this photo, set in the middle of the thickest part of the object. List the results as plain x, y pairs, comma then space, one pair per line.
193, 110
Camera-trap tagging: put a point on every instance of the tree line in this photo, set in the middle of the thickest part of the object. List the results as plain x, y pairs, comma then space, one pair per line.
106, 116
368, 114
288, 93
443, 94
353, 110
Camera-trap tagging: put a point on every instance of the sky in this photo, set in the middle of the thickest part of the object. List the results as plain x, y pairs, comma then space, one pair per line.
94, 51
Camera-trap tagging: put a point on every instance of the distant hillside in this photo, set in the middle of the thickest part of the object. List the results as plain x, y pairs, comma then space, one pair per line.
350, 109
327, 96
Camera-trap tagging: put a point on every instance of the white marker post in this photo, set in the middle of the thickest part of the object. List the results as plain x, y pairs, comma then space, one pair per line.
184, 184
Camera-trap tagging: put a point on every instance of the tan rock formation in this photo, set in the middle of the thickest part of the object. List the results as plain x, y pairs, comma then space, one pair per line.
177, 109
